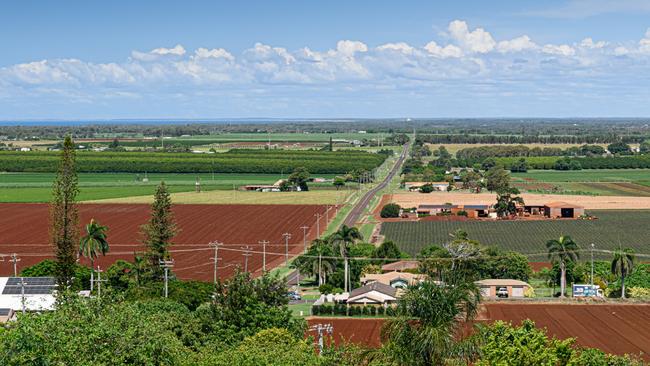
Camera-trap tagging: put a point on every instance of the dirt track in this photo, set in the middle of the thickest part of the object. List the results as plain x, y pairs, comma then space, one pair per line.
24, 230
589, 202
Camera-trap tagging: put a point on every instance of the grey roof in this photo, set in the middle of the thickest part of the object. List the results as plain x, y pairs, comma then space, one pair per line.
435, 206
5, 311
374, 286
477, 207
33, 285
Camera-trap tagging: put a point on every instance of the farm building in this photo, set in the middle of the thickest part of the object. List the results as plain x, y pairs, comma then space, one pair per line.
374, 293
394, 279
563, 210
473, 211
437, 186
35, 293
515, 288
400, 266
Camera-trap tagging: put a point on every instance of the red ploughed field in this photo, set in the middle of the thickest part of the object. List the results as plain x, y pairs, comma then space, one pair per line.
24, 231
613, 328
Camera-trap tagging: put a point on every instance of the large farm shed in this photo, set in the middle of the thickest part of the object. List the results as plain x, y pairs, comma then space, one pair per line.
24, 231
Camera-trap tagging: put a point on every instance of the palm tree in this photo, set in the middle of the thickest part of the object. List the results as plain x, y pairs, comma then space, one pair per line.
562, 251
93, 243
622, 265
318, 261
343, 238
430, 319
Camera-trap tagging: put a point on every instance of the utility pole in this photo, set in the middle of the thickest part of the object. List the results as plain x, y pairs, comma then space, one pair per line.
22, 294
327, 215
318, 216
592, 265
15, 260
215, 245
286, 236
166, 265
247, 253
304, 237
320, 329
99, 282
264, 242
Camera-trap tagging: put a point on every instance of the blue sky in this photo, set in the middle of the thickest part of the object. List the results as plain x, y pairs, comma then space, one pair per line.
209, 59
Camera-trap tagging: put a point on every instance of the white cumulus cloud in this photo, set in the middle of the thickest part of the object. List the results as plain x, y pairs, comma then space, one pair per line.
478, 40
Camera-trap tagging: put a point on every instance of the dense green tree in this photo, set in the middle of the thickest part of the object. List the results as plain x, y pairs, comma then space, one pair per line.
507, 201
619, 147
390, 210
562, 251
242, 306
426, 188
318, 260
520, 166
387, 249
93, 243
299, 178
160, 230
497, 179
64, 216
339, 182
622, 265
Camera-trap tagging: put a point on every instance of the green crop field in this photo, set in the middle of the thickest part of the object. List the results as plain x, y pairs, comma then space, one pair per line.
595, 175
36, 187
628, 228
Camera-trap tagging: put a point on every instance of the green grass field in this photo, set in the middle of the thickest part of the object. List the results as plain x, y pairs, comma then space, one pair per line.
613, 227
595, 175
36, 187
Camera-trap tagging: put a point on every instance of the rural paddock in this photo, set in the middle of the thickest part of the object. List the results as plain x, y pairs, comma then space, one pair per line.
457, 198
24, 231
613, 328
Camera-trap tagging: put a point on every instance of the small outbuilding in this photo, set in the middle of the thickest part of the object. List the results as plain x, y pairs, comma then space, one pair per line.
557, 210
32, 293
515, 288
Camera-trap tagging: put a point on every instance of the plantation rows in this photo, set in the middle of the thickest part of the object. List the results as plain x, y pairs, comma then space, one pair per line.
317, 162
628, 228
616, 162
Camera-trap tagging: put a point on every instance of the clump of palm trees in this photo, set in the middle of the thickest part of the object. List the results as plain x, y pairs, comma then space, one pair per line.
622, 265
320, 259
92, 243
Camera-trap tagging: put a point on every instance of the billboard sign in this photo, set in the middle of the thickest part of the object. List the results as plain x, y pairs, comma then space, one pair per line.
585, 291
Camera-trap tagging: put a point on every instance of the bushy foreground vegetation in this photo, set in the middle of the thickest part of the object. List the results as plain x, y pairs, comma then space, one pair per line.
235, 161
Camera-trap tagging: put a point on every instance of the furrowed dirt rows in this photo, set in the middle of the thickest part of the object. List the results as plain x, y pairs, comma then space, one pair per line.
24, 231
613, 328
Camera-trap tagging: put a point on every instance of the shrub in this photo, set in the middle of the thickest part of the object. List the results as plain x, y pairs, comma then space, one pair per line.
325, 289
461, 213
639, 292
315, 309
390, 210
427, 188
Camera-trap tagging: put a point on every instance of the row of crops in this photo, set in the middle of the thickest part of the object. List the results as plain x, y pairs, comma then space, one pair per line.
614, 162
236, 161
627, 228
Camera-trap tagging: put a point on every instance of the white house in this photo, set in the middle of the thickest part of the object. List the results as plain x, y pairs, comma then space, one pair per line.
374, 293
34, 293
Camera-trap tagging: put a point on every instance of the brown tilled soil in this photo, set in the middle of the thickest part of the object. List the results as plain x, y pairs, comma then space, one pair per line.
613, 328
463, 198
24, 231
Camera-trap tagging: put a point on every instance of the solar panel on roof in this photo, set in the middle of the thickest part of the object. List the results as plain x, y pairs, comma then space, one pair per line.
4, 312
33, 286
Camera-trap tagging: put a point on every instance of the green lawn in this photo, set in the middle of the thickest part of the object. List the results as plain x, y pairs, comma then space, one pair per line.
628, 228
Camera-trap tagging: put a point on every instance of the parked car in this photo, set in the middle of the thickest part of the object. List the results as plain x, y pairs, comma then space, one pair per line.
502, 292
294, 296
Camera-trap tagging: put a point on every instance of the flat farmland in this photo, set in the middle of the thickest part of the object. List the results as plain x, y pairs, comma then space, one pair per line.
604, 182
463, 198
618, 329
592, 175
353, 330
613, 328
613, 227
37, 187
312, 197
24, 231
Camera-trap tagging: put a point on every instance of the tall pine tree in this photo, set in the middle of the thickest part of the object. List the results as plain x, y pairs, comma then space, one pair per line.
64, 217
160, 229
